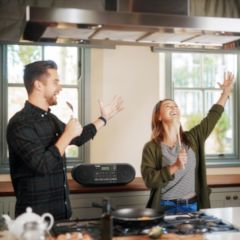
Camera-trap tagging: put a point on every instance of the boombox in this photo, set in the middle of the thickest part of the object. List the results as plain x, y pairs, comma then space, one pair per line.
103, 174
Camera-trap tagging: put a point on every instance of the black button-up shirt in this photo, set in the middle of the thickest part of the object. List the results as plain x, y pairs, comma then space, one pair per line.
38, 171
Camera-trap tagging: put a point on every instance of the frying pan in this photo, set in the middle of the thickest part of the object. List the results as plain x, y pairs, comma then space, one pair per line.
137, 214
134, 214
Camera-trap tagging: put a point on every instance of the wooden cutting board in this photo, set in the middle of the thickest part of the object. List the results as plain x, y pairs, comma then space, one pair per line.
169, 236
172, 236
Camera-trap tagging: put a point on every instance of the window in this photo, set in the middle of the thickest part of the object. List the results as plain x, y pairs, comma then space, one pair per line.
14, 94
194, 78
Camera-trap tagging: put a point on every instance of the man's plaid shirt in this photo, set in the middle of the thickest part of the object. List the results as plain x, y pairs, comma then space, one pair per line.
38, 171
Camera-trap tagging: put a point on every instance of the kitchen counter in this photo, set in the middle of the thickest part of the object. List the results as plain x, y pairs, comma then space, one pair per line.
6, 188
231, 180
231, 215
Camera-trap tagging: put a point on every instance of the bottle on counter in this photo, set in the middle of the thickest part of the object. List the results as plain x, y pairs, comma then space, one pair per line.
106, 221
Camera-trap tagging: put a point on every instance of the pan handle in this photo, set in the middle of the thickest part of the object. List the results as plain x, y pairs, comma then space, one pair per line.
97, 205
102, 206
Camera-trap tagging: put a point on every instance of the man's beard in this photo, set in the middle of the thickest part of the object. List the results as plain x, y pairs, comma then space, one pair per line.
52, 101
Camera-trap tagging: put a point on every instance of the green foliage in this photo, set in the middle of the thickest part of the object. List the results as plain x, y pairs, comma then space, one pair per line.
185, 75
222, 126
219, 131
72, 152
193, 120
24, 54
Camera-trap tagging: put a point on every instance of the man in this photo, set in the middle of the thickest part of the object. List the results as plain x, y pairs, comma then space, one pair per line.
37, 140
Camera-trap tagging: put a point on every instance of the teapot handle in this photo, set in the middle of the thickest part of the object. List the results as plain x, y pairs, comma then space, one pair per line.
48, 215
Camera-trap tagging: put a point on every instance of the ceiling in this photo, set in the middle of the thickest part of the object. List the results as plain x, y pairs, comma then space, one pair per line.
129, 22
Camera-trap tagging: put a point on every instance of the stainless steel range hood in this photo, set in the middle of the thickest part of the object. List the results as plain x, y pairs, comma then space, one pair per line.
111, 28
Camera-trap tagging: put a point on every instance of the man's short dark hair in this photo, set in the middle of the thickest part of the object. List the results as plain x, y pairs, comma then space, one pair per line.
36, 70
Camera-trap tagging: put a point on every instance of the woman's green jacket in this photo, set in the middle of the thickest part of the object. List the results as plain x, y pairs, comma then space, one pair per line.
155, 176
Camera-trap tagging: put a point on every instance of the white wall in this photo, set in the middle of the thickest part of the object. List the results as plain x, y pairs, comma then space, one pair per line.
133, 73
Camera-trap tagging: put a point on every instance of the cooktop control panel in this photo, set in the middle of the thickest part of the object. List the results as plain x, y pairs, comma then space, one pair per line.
103, 174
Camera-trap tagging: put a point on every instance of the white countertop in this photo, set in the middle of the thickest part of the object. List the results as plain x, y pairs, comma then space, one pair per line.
231, 215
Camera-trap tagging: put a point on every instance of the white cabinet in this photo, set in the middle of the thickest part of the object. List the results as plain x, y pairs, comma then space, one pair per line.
225, 197
7, 206
82, 203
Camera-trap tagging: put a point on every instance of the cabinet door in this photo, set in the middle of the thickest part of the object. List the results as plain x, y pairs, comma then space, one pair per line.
82, 203
7, 206
232, 199
1, 207
225, 197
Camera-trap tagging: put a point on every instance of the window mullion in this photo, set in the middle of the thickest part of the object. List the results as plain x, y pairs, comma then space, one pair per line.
236, 102
2, 107
4, 110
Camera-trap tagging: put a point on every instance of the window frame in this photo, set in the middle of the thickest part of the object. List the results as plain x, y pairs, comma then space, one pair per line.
83, 96
228, 160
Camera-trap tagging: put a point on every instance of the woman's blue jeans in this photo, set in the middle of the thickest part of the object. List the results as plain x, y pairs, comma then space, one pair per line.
172, 207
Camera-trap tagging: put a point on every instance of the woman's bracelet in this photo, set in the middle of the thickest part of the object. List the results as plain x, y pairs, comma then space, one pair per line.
103, 119
223, 93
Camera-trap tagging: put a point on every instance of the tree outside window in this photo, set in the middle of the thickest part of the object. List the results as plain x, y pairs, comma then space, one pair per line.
195, 89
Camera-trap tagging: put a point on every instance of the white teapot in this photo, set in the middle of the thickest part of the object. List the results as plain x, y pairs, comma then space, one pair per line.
17, 227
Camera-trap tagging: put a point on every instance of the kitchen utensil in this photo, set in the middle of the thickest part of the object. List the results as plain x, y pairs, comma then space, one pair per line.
106, 221
179, 139
134, 214
176, 123
16, 227
137, 214
71, 107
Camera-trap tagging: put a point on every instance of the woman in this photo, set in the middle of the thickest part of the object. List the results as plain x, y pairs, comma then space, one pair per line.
173, 162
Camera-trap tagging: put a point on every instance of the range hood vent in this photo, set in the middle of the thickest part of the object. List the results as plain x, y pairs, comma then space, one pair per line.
127, 27
175, 7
